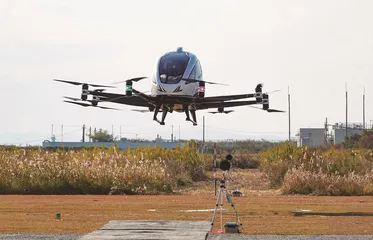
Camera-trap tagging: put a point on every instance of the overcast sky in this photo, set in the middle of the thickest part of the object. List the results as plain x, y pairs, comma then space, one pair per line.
314, 47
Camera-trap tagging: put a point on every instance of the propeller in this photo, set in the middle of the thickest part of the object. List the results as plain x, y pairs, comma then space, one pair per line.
72, 98
226, 111
268, 110
78, 99
272, 91
140, 110
99, 90
136, 79
79, 83
144, 110
89, 105
196, 80
274, 110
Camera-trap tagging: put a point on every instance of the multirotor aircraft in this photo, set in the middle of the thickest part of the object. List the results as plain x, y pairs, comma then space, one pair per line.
177, 85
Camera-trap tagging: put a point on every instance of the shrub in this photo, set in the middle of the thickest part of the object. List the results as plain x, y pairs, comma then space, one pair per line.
97, 170
314, 171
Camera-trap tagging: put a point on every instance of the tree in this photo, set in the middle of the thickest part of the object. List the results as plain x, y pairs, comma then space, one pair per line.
364, 140
102, 136
351, 141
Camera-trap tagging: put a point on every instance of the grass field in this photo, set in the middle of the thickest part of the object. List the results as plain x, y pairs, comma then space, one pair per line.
261, 211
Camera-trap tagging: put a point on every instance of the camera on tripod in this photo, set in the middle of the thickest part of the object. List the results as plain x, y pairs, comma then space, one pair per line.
226, 164
223, 194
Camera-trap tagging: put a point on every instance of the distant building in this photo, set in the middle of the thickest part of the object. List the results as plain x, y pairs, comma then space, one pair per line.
313, 137
339, 131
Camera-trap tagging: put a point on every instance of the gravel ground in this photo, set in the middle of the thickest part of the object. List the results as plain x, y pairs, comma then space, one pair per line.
290, 237
212, 237
40, 236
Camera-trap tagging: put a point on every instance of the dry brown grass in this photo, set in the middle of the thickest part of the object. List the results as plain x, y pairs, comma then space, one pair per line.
261, 211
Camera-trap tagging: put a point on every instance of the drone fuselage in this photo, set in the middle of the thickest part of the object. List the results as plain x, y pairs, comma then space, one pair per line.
171, 71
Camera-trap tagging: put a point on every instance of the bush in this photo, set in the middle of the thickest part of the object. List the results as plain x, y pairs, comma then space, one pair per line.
314, 171
246, 161
140, 171
300, 181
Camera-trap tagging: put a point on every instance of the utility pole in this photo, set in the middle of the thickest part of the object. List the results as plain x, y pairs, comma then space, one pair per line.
364, 110
326, 132
289, 113
214, 167
112, 132
52, 131
203, 140
61, 133
346, 111
90, 134
172, 133
83, 137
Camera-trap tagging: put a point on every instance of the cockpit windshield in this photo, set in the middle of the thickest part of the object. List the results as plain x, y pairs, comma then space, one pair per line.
172, 67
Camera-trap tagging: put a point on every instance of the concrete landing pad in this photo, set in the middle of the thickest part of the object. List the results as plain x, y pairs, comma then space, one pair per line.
116, 229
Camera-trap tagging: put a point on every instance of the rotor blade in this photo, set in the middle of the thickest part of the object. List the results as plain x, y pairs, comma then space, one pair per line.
96, 100
140, 110
256, 107
272, 91
99, 90
196, 80
106, 107
274, 110
268, 110
228, 111
96, 85
79, 83
89, 105
144, 110
136, 79
78, 103
69, 82
74, 99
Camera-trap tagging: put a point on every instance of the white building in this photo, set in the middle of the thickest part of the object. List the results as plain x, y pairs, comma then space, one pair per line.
340, 134
339, 131
313, 137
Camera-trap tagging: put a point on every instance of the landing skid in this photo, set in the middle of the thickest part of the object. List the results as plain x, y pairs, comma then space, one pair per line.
156, 111
165, 110
190, 120
161, 123
193, 112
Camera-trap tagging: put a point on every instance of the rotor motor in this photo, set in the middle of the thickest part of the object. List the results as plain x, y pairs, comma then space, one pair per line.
84, 95
128, 88
95, 100
258, 93
265, 102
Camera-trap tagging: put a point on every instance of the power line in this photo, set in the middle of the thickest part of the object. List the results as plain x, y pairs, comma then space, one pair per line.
240, 131
37, 140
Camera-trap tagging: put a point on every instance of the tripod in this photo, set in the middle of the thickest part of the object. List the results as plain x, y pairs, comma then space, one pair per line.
220, 202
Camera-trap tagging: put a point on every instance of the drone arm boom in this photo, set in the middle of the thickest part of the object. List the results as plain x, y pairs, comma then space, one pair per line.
224, 104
